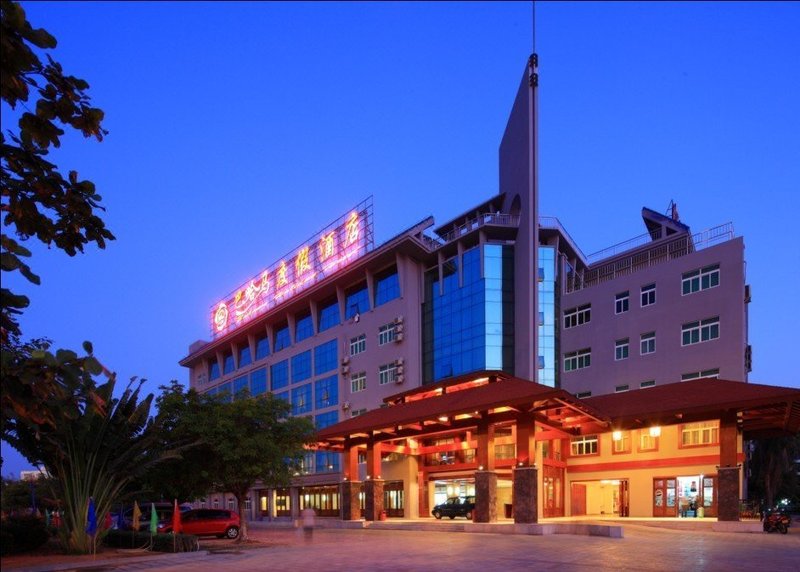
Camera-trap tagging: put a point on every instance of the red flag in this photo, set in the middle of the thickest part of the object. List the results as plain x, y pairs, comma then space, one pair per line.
176, 519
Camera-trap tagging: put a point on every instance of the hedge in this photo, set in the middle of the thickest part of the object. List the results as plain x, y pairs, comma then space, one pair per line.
160, 542
22, 533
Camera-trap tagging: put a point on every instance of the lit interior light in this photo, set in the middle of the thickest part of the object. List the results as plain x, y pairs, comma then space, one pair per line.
617, 435
443, 418
655, 431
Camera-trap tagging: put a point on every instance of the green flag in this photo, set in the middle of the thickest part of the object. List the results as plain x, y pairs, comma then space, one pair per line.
153, 519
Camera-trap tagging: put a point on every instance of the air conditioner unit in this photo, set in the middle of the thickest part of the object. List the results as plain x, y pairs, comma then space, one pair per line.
399, 361
345, 369
345, 360
399, 378
398, 337
399, 319
346, 405
398, 327
399, 370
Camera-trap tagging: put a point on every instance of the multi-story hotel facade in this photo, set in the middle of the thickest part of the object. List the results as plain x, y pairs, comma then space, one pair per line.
340, 326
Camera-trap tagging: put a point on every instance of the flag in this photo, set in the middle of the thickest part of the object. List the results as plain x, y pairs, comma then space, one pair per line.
46, 517
153, 519
91, 526
137, 517
176, 519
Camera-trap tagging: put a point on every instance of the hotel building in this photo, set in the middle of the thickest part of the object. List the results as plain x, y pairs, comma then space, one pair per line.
489, 356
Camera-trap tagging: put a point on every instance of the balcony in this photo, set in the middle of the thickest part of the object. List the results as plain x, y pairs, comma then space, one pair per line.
488, 219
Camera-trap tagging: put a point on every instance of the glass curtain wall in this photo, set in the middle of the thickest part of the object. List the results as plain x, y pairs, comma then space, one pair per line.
547, 320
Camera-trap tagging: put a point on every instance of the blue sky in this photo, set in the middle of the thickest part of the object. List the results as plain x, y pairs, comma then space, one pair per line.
237, 130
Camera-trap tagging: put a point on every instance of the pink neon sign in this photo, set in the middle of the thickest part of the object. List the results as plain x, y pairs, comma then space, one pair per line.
347, 238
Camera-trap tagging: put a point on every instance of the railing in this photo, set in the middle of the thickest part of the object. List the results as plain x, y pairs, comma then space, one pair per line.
554, 223
662, 251
499, 219
623, 246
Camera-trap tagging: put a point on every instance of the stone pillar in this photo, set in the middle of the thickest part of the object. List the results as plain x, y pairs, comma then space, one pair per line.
485, 496
728, 479
294, 495
526, 494
351, 508
373, 499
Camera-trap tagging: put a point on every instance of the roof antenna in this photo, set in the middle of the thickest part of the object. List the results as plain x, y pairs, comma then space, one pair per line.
672, 211
533, 26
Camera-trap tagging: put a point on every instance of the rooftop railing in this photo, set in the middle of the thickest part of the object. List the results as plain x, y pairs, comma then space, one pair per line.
623, 246
496, 219
661, 251
554, 223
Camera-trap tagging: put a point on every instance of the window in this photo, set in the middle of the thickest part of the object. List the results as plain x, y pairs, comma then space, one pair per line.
227, 364
648, 295
621, 388
213, 370
622, 302
326, 419
583, 394
325, 357
387, 373
699, 434
621, 442
244, 355
577, 360
648, 441
698, 374
356, 301
279, 373
240, 384
262, 347
357, 412
647, 343
303, 328
258, 381
358, 382
329, 315
621, 349
586, 445
326, 391
702, 279
387, 286
386, 333
702, 331
358, 344
648, 383
301, 399
577, 316
327, 462
282, 338
224, 390
301, 366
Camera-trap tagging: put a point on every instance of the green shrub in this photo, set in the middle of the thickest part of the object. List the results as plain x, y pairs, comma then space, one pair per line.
22, 533
156, 542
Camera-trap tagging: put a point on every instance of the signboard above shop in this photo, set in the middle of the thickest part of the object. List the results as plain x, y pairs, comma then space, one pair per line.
345, 240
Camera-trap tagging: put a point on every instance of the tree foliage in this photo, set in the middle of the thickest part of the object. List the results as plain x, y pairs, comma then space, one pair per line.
37, 199
773, 469
93, 443
237, 443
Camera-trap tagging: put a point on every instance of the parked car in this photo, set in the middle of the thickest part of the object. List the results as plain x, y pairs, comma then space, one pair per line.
206, 522
163, 510
455, 506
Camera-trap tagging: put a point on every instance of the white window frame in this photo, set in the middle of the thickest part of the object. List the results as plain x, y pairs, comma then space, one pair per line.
578, 316
699, 434
648, 295
358, 382
622, 388
648, 383
358, 344
713, 372
647, 344
387, 333
622, 347
584, 445
647, 442
357, 412
387, 373
622, 302
700, 329
580, 359
699, 280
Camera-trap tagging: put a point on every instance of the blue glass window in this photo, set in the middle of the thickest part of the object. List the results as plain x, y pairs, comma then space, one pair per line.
387, 287
327, 391
262, 347
227, 364
240, 384
279, 373
283, 395
327, 462
304, 328
244, 355
329, 316
258, 381
301, 399
282, 338
356, 301
326, 419
301, 366
225, 389
325, 357
213, 371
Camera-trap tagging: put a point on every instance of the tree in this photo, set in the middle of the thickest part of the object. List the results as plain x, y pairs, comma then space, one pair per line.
36, 199
93, 443
773, 469
238, 443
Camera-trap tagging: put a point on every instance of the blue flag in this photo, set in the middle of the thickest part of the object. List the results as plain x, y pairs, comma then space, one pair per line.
91, 527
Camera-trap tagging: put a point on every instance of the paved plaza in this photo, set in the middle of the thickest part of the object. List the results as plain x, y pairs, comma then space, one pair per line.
642, 548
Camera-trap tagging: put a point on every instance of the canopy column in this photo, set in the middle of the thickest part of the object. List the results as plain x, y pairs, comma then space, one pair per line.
526, 476
373, 486
728, 475
351, 485
485, 477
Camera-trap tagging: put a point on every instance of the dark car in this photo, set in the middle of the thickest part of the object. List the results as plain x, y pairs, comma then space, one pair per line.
455, 506
206, 522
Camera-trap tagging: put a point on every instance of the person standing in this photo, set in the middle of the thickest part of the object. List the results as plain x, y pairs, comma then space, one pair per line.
308, 515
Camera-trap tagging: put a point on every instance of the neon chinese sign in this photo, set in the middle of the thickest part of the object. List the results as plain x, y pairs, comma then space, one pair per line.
346, 239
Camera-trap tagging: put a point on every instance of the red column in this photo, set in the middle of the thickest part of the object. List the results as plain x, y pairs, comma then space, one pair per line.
373, 487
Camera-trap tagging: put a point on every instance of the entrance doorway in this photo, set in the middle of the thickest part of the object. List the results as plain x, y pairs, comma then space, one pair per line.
608, 497
689, 496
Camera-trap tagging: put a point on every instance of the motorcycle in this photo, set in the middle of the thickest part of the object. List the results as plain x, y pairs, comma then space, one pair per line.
777, 521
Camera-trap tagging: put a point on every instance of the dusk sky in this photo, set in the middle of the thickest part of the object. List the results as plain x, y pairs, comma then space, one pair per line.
237, 130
